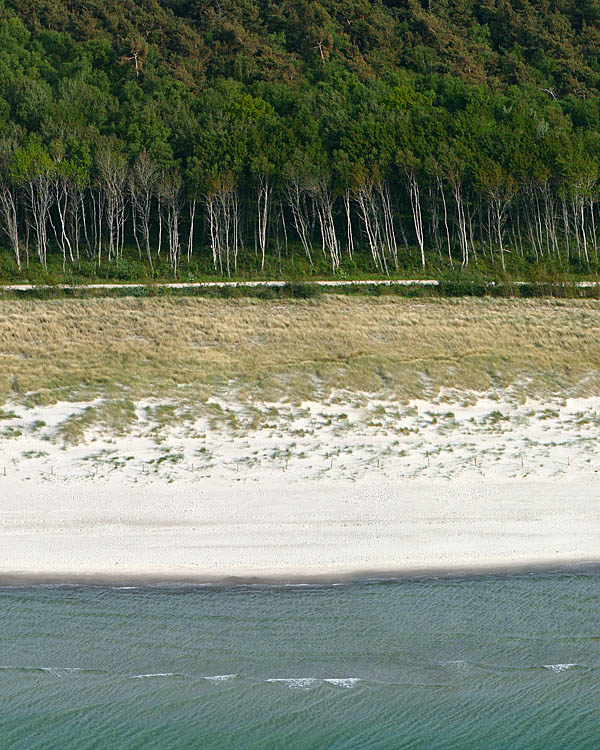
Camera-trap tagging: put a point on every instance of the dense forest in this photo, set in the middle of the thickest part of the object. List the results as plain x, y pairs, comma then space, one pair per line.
144, 138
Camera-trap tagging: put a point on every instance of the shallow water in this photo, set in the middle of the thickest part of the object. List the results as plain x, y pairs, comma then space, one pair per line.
483, 662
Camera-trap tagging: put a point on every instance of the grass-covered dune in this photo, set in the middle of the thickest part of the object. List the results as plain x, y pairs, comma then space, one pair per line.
191, 347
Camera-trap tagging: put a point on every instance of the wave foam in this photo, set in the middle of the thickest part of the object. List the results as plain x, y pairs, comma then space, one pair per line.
221, 677
344, 682
304, 683
54, 671
295, 683
556, 668
153, 674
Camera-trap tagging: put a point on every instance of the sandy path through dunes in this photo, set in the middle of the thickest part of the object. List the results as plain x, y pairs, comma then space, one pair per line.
115, 531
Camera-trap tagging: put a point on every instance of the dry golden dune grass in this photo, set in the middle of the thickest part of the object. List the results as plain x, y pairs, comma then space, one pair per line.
298, 348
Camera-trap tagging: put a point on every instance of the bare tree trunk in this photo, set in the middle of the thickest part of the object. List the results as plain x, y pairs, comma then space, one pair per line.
190, 246
363, 196
10, 221
566, 228
324, 206
389, 233
264, 192
75, 219
441, 189
61, 200
434, 224
9, 200
581, 205
235, 218
499, 208
284, 225
349, 235
462, 224
296, 200
160, 226
415, 202
223, 220
169, 192
142, 188
39, 196
213, 225
591, 205
112, 168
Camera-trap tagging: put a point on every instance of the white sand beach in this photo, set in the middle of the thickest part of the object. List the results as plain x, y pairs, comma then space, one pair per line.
317, 491
276, 530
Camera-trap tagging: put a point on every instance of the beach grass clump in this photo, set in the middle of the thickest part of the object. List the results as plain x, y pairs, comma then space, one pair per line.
495, 417
72, 430
169, 458
10, 433
34, 454
112, 416
164, 415
118, 415
548, 414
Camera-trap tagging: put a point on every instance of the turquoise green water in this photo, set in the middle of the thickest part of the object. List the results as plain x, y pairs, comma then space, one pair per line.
485, 662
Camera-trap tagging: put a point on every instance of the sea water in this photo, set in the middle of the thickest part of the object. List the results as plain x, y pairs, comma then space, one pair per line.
493, 661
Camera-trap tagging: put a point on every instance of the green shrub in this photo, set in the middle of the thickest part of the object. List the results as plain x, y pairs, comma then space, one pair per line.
300, 290
463, 288
125, 269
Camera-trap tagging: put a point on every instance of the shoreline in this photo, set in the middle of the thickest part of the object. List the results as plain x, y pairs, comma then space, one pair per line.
141, 580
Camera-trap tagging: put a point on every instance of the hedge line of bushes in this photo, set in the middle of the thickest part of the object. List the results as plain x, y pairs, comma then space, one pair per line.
307, 290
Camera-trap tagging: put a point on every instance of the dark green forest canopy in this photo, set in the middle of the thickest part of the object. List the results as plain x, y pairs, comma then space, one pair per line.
554, 44
456, 130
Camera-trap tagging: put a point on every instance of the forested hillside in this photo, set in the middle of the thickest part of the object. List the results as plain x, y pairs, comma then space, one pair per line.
143, 138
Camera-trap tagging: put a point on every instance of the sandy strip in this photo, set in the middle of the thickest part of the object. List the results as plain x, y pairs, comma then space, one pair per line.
218, 530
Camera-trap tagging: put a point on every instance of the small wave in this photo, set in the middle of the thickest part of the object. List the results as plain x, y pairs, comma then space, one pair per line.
556, 668
153, 674
304, 683
295, 683
54, 671
298, 585
221, 677
59, 671
344, 682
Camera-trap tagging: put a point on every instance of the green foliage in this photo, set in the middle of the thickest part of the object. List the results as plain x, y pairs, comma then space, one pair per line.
301, 291
493, 101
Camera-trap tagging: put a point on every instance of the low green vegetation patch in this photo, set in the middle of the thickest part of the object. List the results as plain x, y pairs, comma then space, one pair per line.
467, 286
114, 416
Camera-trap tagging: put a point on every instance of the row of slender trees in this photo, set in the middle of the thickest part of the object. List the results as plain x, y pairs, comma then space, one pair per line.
48, 202
341, 131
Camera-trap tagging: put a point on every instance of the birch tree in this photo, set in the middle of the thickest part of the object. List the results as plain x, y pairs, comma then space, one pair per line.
169, 189
142, 188
112, 171
9, 201
33, 169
